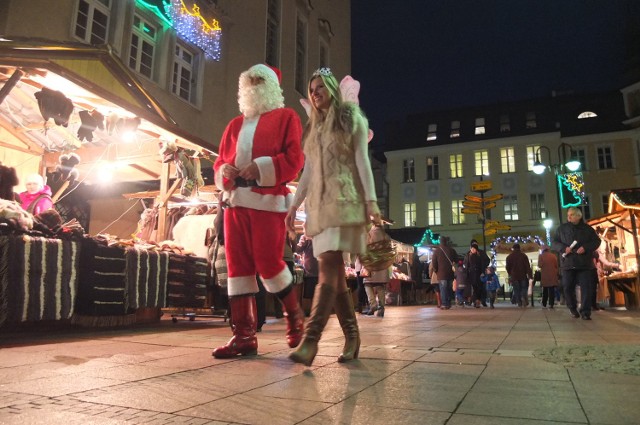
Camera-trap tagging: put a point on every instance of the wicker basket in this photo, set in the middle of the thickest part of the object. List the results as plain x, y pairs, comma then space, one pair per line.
379, 256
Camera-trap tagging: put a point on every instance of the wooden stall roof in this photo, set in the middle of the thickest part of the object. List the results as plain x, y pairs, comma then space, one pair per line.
93, 78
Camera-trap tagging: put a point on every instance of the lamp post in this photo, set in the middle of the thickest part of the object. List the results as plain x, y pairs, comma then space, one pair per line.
572, 164
548, 224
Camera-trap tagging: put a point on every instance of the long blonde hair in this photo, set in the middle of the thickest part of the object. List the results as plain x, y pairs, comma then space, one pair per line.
317, 116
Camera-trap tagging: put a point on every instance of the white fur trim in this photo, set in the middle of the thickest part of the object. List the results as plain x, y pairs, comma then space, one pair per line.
218, 177
279, 281
245, 197
263, 71
267, 171
242, 285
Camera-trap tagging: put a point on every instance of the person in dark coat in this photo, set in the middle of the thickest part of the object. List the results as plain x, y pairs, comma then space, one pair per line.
444, 258
519, 270
486, 261
576, 241
549, 272
474, 265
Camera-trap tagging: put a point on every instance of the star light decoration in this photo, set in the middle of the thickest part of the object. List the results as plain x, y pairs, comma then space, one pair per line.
193, 27
570, 188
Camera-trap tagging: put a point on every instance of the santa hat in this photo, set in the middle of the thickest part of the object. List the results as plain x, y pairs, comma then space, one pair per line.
265, 71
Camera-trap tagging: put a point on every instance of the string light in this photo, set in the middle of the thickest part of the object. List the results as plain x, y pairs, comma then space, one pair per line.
429, 238
193, 27
512, 239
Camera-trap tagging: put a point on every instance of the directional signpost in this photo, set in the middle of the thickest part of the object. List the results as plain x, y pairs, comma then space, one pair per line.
479, 204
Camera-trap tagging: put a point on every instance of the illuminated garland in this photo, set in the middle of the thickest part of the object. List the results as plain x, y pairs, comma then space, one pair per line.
193, 27
570, 188
188, 24
512, 239
429, 237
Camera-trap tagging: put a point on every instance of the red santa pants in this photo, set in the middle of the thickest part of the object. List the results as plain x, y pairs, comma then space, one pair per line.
254, 243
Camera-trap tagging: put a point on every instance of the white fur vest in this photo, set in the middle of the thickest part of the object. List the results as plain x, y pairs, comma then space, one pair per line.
335, 196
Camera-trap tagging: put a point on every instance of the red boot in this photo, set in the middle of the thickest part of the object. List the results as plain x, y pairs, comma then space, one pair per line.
243, 324
294, 315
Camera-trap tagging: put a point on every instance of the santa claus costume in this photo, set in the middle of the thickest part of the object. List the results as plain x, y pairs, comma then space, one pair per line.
260, 152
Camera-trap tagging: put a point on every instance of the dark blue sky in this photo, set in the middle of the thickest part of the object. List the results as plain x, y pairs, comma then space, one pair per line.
417, 55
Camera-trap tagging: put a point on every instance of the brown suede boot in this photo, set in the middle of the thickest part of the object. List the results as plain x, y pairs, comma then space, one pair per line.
293, 313
243, 324
349, 324
323, 300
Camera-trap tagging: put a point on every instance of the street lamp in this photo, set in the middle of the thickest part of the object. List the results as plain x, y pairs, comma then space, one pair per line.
548, 223
572, 164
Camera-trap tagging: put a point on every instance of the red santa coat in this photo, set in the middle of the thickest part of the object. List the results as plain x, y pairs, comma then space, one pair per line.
254, 225
273, 142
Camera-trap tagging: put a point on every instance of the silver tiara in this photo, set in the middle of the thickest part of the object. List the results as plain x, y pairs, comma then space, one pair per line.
324, 71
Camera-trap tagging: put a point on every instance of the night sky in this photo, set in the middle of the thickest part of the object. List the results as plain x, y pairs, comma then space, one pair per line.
412, 56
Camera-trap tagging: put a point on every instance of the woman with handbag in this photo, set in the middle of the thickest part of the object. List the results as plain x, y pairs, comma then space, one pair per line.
340, 200
375, 284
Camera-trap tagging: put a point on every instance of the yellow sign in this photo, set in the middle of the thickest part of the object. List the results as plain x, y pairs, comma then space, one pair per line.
481, 186
490, 231
501, 227
471, 204
473, 198
493, 198
487, 205
471, 211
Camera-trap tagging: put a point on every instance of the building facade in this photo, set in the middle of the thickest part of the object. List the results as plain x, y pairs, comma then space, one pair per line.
442, 162
189, 53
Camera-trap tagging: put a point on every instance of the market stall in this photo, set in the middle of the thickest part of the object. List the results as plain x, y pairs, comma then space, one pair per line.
76, 114
618, 231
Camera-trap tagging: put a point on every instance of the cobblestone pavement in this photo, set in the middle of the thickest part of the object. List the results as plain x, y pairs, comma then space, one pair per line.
418, 365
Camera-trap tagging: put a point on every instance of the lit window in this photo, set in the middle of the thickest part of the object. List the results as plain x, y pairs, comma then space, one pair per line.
587, 114
481, 163
455, 165
456, 212
531, 156
92, 21
455, 129
510, 207
143, 44
409, 173
432, 134
409, 215
433, 213
480, 126
508, 160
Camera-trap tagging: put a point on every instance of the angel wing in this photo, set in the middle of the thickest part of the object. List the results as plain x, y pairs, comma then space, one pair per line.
350, 89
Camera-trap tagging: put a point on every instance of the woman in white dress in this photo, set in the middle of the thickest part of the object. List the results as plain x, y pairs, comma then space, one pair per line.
340, 201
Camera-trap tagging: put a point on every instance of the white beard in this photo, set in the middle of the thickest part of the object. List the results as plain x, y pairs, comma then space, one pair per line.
256, 100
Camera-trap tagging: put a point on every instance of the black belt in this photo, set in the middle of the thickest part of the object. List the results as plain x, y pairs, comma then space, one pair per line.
240, 182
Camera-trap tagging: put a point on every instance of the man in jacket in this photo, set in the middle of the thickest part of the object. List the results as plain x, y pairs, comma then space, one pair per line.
576, 241
519, 270
442, 262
